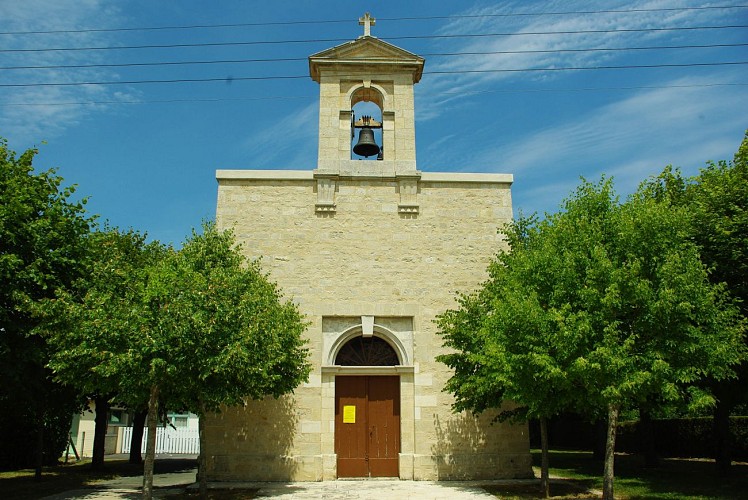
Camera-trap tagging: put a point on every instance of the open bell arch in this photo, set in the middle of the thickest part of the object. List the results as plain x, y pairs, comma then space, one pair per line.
367, 105
369, 92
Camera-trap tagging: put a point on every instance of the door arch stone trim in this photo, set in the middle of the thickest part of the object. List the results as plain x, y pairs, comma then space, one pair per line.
357, 331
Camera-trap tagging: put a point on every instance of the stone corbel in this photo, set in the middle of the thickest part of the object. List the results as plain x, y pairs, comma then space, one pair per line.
408, 187
326, 186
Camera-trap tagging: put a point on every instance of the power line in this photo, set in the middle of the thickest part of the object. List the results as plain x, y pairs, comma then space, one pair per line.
160, 63
585, 68
470, 92
339, 21
404, 37
436, 72
159, 101
435, 54
591, 49
139, 82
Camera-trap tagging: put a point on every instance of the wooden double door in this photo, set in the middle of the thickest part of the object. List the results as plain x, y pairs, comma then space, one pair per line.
367, 425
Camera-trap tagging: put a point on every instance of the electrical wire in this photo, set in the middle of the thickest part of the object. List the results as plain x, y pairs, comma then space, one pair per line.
339, 21
339, 40
469, 92
231, 79
434, 54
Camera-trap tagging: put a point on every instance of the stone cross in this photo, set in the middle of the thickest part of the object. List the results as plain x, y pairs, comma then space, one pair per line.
367, 22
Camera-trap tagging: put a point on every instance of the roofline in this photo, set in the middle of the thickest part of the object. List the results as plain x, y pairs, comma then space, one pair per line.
308, 175
318, 61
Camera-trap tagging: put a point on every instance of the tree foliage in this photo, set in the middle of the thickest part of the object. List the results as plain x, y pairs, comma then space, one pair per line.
42, 249
716, 202
96, 326
228, 335
719, 206
192, 329
96, 323
596, 308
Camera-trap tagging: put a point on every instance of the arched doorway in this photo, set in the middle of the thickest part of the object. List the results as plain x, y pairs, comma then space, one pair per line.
367, 351
367, 411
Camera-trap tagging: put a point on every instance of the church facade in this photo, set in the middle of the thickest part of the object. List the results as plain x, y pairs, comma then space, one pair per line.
372, 250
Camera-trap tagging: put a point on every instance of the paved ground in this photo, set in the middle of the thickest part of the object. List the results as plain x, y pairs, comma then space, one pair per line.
130, 487
371, 489
174, 483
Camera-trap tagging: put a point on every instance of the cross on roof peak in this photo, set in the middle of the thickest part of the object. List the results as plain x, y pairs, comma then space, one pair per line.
367, 22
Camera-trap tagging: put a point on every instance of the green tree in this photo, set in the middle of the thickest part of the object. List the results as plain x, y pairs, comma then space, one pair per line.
223, 333
42, 248
505, 340
625, 308
101, 316
192, 329
716, 202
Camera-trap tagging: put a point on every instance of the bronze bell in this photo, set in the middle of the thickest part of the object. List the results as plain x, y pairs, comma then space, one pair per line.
366, 145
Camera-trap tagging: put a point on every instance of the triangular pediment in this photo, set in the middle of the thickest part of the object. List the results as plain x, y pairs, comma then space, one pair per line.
366, 46
366, 50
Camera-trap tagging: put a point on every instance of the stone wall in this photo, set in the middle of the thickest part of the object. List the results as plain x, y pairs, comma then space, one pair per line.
366, 258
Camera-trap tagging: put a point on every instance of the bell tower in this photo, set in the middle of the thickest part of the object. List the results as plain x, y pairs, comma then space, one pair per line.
366, 70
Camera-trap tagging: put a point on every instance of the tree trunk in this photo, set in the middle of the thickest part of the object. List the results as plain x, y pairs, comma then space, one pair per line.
41, 405
101, 421
610, 448
136, 441
150, 447
545, 487
39, 459
202, 459
647, 438
721, 430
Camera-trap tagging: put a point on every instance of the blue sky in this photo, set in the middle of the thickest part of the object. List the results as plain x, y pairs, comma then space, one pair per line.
146, 154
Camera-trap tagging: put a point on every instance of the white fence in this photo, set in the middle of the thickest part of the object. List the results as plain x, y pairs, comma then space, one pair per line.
168, 440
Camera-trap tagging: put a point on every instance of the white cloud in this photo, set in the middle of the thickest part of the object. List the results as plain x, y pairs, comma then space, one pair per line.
40, 117
665, 117
288, 143
651, 122
440, 90
630, 140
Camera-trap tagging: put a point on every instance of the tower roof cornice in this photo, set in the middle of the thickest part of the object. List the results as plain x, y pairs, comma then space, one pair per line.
366, 54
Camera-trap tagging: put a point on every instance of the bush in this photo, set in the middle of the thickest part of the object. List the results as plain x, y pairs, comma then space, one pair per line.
569, 431
19, 432
674, 437
684, 437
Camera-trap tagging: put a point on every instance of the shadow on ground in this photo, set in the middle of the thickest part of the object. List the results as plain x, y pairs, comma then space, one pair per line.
562, 488
220, 494
674, 478
75, 476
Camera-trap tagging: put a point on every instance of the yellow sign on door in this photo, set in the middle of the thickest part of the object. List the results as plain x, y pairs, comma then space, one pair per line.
349, 414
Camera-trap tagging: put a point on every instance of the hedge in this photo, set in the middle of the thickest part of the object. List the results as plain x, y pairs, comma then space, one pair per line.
685, 437
677, 437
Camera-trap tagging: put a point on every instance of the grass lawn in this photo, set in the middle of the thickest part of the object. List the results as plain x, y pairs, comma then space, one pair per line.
673, 479
60, 478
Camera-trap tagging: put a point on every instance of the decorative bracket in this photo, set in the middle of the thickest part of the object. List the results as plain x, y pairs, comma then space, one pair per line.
408, 187
325, 194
